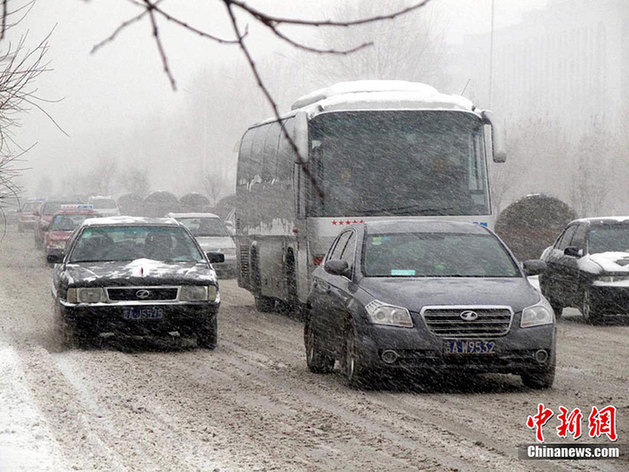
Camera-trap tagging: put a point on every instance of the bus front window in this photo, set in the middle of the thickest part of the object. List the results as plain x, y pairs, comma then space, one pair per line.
398, 163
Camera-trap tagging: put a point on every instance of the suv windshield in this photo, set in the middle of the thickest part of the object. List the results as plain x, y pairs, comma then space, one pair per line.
436, 255
126, 243
608, 238
67, 222
202, 226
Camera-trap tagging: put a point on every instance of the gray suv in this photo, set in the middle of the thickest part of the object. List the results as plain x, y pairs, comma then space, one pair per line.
410, 295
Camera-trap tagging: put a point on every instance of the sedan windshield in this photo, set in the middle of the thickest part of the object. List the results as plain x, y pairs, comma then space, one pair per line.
201, 226
608, 238
125, 243
436, 255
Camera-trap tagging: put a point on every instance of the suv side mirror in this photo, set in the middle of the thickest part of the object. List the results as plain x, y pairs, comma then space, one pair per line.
573, 251
534, 267
54, 258
216, 257
337, 267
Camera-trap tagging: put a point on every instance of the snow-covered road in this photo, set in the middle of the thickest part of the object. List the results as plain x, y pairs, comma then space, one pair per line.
252, 404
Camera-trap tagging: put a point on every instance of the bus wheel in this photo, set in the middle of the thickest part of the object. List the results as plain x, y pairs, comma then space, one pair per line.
294, 307
263, 304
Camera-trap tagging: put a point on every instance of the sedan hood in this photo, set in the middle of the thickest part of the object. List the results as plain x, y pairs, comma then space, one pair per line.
213, 243
140, 272
414, 293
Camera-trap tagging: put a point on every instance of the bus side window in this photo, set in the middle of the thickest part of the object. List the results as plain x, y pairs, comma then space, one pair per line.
256, 156
269, 161
244, 159
286, 155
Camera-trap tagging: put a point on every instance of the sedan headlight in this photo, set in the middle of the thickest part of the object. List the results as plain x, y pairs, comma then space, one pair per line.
86, 295
537, 315
390, 315
199, 293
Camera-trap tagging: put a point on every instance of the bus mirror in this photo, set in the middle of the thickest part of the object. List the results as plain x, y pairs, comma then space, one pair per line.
300, 134
497, 137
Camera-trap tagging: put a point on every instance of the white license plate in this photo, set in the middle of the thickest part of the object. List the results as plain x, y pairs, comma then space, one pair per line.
468, 346
143, 313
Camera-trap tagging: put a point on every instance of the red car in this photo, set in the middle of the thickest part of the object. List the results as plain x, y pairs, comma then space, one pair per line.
63, 225
27, 216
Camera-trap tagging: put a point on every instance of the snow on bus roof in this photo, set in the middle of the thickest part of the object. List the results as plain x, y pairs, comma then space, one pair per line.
392, 93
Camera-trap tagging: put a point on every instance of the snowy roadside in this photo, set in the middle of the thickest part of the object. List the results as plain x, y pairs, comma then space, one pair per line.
26, 442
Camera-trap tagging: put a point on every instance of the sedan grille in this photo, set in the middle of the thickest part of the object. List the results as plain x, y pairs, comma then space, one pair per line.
142, 293
468, 321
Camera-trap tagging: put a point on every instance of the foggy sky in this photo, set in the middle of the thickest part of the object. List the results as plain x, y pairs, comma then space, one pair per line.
107, 96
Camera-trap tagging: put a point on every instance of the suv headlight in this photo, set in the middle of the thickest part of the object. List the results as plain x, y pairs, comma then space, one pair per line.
199, 293
390, 315
86, 295
537, 315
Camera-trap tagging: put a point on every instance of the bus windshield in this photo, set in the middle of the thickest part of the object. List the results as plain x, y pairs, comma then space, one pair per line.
393, 162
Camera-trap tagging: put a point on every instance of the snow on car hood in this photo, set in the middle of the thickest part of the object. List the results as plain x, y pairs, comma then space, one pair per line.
212, 243
139, 272
415, 293
608, 261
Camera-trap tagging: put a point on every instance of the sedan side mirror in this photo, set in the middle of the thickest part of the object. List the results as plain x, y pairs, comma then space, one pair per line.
337, 267
216, 257
54, 258
534, 267
573, 251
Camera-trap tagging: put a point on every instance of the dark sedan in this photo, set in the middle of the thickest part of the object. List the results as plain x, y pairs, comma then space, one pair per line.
124, 276
408, 296
588, 268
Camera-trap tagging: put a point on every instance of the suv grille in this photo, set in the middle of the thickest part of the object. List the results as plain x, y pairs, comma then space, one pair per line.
142, 293
447, 321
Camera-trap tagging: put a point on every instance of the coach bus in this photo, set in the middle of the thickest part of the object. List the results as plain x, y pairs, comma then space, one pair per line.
372, 149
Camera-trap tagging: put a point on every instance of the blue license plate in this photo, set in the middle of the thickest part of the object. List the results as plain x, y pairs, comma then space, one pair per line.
143, 313
468, 346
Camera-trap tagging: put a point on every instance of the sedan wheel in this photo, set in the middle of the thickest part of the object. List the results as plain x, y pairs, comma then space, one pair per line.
589, 310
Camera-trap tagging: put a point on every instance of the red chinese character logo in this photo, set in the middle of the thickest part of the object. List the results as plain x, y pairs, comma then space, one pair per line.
539, 420
570, 423
603, 422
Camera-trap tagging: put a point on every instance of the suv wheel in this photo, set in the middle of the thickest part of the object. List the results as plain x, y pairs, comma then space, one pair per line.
541, 379
318, 362
356, 373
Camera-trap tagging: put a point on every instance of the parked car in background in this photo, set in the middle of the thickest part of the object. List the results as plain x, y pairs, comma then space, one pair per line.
104, 206
211, 233
45, 213
134, 276
409, 296
27, 216
63, 225
588, 268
